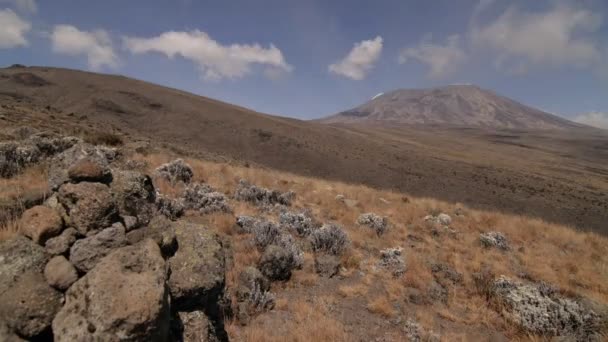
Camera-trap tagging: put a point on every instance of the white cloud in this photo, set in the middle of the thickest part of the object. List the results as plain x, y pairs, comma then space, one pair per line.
13, 30
595, 119
441, 59
559, 36
360, 60
216, 61
95, 45
25, 6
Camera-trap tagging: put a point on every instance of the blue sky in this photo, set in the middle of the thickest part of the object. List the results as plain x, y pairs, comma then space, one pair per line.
312, 58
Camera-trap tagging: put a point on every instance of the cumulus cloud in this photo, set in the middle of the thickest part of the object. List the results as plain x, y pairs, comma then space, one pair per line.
13, 30
360, 60
216, 61
26, 6
441, 59
559, 36
95, 45
595, 119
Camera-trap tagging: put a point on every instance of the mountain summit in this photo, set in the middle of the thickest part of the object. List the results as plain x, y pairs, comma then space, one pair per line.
452, 105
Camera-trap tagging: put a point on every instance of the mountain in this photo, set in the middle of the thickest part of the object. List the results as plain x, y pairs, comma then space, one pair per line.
558, 176
453, 105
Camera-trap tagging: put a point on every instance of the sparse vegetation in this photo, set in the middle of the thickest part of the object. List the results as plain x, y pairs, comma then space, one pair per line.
103, 138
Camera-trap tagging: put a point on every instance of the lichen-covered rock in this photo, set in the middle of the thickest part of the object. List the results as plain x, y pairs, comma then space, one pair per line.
276, 263
329, 239
327, 265
41, 223
17, 256
197, 268
260, 196
61, 163
393, 260
28, 307
161, 231
175, 171
378, 223
61, 244
134, 195
87, 252
124, 297
90, 170
494, 239
539, 309
90, 206
193, 326
203, 198
301, 223
60, 273
170, 207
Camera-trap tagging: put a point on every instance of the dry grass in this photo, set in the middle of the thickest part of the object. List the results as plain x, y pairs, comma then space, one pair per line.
381, 306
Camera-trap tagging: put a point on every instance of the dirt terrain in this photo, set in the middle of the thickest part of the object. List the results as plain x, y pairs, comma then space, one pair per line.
560, 177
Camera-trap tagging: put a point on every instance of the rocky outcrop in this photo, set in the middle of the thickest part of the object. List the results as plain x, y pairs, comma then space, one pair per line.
161, 231
18, 256
41, 223
134, 195
197, 268
87, 252
90, 169
90, 206
61, 163
123, 297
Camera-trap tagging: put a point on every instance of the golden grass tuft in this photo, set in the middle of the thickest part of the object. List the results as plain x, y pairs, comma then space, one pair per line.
381, 306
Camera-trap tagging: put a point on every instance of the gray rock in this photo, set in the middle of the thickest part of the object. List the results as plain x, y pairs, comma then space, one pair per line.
60, 273
123, 297
329, 239
494, 239
7, 334
539, 309
377, 223
87, 252
276, 263
175, 171
90, 206
61, 163
327, 265
41, 223
161, 231
90, 170
29, 306
134, 195
62, 243
17, 256
197, 268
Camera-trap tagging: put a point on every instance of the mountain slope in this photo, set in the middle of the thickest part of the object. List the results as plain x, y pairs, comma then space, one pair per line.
560, 177
454, 105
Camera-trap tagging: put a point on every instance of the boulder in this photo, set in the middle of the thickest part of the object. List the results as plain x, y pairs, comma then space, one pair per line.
17, 256
197, 268
134, 195
41, 223
60, 273
276, 263
87, 252
90, 206
327, 265
161, 231
29, 306
90, 170
124, 297
192, 326
7, 334
62, 243
62, 162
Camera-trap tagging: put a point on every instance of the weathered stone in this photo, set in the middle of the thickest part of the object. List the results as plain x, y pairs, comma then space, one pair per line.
60, 273
7, 334
62, 243
87, 252
28, 307
17, 256
327, 265
197, 268
40, 223
124, 297
90, 206
276, 263
192, 326
161, 231
61, 163
134, 195
90, 170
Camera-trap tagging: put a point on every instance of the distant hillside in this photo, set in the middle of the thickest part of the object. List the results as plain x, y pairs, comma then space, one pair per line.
454, 105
